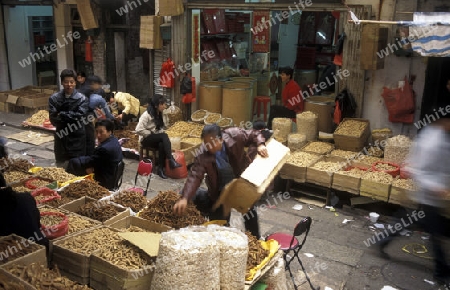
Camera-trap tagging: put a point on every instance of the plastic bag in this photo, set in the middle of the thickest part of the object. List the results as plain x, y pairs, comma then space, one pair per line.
55, 231
44, 194
400, 103
186, 85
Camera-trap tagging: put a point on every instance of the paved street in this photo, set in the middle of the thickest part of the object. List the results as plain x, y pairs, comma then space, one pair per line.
337, 256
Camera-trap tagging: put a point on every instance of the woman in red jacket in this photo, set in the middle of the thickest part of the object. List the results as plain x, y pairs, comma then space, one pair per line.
291, 98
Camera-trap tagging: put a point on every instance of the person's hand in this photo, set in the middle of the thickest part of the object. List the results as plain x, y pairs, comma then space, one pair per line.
180, 207
262, 150
119, 117
89, 170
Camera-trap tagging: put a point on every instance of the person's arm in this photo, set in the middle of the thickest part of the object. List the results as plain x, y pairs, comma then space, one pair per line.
78, 109
126, 103
255, 138
145, 126
53, 111
193, 182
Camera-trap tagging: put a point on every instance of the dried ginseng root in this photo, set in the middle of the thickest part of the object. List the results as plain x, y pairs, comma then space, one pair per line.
256, 253
160, 210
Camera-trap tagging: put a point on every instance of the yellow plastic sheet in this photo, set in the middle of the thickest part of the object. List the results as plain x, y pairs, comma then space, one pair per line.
35, 169
273, 247
89, 176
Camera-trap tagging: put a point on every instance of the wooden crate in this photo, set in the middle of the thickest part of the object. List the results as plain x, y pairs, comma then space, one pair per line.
321, 177
107, 276
14, 281
171, 7
351, 143
73, 265
38, 256
373, 40
401, 196
75, 205
144, 224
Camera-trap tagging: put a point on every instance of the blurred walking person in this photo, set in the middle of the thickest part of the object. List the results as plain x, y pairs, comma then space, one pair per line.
432, 174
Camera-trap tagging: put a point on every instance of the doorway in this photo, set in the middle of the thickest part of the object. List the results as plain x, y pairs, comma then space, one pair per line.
435, 94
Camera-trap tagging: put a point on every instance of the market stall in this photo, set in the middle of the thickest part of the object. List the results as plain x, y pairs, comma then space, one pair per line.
93, 238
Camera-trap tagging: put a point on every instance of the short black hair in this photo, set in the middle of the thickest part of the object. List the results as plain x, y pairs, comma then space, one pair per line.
2, 180
94, 80
287, 70
210, 130
108, 124
259, 125
67, 73
81, 74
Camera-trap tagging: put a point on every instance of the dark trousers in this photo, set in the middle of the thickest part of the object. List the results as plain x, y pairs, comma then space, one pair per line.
434, 224
90, 138
126, 118
162, 142
277, 111
204, 205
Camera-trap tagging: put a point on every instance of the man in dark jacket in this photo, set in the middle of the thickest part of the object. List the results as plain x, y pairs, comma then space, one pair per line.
68, 109
223, 160
103, 162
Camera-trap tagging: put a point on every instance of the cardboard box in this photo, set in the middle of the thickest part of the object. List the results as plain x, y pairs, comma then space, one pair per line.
14, 282
75, 205
171, 7
348, 183
38, 100
243, 192
144, 224
37, 256
401, 196
189, 151
321, 177
304, 148
351, 143
150, 32
373, 39
375, 190
75, 266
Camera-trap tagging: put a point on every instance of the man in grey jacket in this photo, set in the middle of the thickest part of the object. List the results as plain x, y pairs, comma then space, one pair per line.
429, 167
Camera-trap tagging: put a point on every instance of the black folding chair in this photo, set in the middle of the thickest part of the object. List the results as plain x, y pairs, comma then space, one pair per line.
290, 243
118, 174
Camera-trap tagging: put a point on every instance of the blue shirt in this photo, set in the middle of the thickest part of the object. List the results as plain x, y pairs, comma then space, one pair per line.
225, 173
98, 102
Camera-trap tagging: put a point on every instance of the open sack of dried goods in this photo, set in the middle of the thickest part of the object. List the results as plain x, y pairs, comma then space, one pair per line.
44, 195
15, 164
259, 255
307, 124
187, 259
129, 198
53, 173
84, 187
397, 149
199, 116
282, 127
220, 253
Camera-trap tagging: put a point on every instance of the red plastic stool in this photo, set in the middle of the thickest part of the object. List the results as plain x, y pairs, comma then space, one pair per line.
258, 101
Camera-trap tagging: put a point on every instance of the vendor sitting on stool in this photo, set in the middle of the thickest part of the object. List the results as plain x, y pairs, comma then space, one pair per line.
224, 160
105, 159
291, 98
151, 133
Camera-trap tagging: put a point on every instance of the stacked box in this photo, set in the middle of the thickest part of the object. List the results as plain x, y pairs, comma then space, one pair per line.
322, 177
352, 143
16, 244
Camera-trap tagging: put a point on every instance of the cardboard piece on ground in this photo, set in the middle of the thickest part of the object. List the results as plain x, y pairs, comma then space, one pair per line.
31, 137
262, 170
312, 201
148, 242
242, 193
362, 200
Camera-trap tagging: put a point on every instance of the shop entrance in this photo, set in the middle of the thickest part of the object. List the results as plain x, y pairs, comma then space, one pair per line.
436, 95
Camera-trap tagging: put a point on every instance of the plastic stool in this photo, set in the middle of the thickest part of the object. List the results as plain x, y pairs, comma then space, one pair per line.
258, 101
151, 156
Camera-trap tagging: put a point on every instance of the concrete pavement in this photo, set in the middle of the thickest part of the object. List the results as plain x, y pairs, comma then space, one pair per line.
337, 258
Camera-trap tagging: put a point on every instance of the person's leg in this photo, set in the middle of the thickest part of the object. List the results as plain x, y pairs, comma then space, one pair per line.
272, 114
434, 223
277, 111
251, 222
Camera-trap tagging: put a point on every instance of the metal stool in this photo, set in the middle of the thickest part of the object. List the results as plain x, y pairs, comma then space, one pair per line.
258, 101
